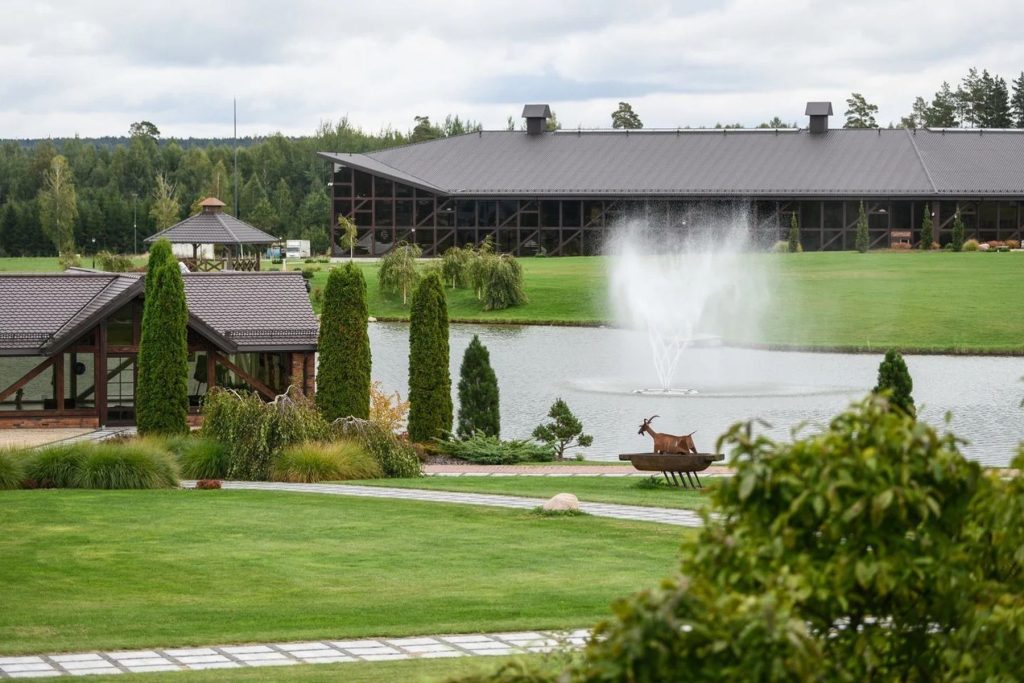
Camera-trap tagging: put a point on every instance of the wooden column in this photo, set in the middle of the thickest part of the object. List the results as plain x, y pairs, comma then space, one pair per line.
101, 373
211, 369
58, 381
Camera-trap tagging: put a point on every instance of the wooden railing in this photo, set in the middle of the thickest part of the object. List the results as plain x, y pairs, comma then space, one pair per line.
206, 265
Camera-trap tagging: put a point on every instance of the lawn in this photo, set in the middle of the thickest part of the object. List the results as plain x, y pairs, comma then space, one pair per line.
135, 569
625, 490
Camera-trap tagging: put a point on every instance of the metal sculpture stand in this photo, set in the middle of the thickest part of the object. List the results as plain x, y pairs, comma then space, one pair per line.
672, 464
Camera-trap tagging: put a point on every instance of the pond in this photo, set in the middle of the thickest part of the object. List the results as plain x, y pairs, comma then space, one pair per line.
598, 370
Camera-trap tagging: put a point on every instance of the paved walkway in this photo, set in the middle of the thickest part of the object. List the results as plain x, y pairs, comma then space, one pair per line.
285, 654
637, 513
553, 471
31, 438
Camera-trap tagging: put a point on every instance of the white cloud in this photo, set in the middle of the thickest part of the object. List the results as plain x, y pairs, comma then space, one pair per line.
93, 68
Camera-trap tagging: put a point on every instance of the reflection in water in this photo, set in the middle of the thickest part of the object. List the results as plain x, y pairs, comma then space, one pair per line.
596, 372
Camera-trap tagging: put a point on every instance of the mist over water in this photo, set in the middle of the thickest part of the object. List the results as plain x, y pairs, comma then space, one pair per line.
687, 286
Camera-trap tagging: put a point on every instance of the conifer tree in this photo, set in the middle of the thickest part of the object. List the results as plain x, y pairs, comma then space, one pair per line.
894, 377
343, 371
862, 241
926, 230
430, 384
478, 393
794, 234
958, 232
162, 393
564, 431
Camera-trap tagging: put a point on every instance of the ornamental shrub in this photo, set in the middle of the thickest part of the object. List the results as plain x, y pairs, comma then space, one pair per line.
12, 470
161, 405
862, 240
958, 232
969, 245
130, 464
503, 286
482, 449
794, 235
925, 243
430, 384
894, 378
315, 461
395, 456
478, 393
397, 272
114, 263
564, 431
54, 466
343, 372
455, 267
199, 457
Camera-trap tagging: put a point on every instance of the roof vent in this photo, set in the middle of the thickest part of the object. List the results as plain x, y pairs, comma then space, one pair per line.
536, 116
212, 205
819, 113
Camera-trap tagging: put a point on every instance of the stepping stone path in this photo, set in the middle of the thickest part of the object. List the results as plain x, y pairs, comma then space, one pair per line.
678, 517
286, 654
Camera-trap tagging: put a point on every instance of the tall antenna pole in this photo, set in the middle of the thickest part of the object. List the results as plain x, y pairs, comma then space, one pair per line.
234, 104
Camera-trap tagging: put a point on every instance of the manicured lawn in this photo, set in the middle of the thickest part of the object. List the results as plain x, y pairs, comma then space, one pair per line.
132, 569
30, 264
626, 490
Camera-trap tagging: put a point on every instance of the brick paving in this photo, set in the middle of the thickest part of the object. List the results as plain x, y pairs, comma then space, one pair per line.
287, 654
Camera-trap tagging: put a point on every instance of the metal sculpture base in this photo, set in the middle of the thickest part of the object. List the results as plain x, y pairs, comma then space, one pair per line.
671, 464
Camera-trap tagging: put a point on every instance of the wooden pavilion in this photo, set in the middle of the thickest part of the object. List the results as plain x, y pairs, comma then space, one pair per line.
212, 226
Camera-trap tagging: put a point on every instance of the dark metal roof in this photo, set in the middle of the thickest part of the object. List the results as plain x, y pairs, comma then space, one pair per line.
711, 163
239, 311
535, 111
818, 109
213, 228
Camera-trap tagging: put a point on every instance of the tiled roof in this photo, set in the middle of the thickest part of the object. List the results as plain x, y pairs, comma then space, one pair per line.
36, 307
709, 163
213, 228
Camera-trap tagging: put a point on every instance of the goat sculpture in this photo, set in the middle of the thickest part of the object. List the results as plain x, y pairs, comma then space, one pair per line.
668, 443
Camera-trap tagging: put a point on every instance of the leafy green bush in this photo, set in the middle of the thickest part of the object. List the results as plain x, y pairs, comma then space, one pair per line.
969, 245
54, 466
894, 378
490, 450
319, 461
114, 263
780, 247
132, 464
308, 273
12, 469
199, 457
395, 456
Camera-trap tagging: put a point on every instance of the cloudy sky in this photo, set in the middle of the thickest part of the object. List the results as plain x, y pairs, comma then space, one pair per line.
92, 67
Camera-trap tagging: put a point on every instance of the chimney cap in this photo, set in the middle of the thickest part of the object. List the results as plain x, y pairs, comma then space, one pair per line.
211, 202
536, 111
818, 109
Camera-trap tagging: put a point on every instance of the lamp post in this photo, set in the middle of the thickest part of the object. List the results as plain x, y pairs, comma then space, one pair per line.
94, 253
135, 227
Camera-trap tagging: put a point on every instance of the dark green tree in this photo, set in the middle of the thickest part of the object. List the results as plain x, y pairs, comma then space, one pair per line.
860, 113
424, 130
1017, 101
943, 110
625, 117
794, 234
894, 378
926, 229
430, 384
162, 392
958, 232
478, 393
343, 370
564, 431
862, 241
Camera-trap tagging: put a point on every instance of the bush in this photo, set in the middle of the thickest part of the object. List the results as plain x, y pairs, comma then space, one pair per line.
311, 462
131, 464
482, 449
69, 260
564, 431
894, 378
395, 456
308, 273
793, 246
970, 245
317, 295
54, 467
200, 458
12, 469
1013, 244
114, 263
388, 411
958, 232
782, 247
503, 287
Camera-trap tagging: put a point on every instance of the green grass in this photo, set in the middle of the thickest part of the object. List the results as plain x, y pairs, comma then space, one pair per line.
132, 569
48, 264
625, 490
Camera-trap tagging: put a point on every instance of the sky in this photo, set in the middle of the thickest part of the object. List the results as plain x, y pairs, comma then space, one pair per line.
92, 67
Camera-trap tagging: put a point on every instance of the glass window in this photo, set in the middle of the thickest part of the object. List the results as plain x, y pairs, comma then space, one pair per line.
37, 394
424, 212
121, 327
550, 215
445, 214
383, 187
810, 214
571, 214
507, 212
403, 191
404, 212
363, 184
487, 214
343, 175
465, 213
79, 380
833, 215
384, 213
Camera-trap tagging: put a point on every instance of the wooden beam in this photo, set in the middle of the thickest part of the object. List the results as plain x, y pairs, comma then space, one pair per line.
26, 378
100, 374
58, 381
253, 382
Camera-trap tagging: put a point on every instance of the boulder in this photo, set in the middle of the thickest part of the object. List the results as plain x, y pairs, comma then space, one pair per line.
563, 502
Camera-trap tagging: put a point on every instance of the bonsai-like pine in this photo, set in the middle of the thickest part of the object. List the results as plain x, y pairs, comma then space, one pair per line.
958, 232
862, 242
564, 431
926, 231
894, 378
478, 393
430, 385
343, 372
794, 234
162, 392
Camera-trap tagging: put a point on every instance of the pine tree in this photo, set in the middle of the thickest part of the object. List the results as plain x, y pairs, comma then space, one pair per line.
430, 384
926, 229
943, 111
862, 241
564, 431
1017, 101
478, 393
794, 234
162, 392
343, 370
625, 117
958, 232
894, 377
860, 113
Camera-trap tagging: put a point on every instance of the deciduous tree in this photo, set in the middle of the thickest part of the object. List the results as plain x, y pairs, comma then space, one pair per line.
164, 211
625, 117
58, 206
349, 232
398, 273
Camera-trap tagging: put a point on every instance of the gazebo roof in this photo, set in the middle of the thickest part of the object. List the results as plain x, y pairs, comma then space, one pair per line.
212, 226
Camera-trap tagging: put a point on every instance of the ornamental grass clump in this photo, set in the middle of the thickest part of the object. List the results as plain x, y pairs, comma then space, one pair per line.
54, 467
12, 469
132, 464
319, 461
199, 457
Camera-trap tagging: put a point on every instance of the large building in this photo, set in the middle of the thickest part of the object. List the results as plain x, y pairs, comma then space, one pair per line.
563, 191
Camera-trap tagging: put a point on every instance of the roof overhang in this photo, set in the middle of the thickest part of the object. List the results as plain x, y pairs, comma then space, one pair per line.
365, 163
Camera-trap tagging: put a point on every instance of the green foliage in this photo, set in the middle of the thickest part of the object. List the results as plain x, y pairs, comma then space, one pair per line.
455, 267
131, 464
958, 232
430, 385
564, 431
311, 462
114, 263
54, 467
970, 245
925, 242
58, 205
483, 449
12, 470
862, 241
343, 371
860, 113
69, 259
349, 233
625, 117
794, 235
162, 391
478, 393
504, 285
398, 273
894, 378
199, 457
479, 266
165, 210
395, 456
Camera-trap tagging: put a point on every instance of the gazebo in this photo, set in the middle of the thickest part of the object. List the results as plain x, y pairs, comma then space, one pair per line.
212, 226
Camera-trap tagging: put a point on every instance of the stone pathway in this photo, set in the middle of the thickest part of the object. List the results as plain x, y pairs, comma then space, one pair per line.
678, 517
553, 471
101, 434
285, 654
